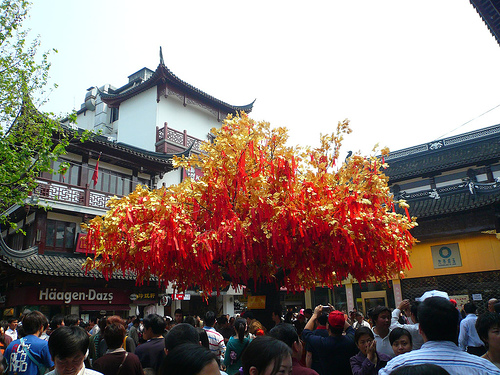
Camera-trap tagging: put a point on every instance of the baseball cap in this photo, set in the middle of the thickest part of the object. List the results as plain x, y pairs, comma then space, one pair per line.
433, 293
336, 319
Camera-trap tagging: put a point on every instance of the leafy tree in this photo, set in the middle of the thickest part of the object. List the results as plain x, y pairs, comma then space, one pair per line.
29, 139
262, 214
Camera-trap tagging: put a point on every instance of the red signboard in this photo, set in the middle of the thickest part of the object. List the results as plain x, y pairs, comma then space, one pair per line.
70, 296
181, 297
80, 244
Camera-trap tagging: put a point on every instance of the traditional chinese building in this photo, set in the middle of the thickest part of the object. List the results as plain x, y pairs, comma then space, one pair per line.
453, 188
142, 124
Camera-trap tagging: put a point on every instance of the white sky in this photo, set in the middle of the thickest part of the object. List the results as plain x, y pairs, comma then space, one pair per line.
404, 72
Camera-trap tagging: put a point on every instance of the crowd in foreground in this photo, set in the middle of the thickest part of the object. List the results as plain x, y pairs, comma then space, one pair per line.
426, 337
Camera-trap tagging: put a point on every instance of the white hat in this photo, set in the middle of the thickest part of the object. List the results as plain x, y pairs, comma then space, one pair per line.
433, 293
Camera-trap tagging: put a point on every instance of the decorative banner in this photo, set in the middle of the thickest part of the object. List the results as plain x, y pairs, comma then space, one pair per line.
461, 299
181, 297
256, 302
446, 256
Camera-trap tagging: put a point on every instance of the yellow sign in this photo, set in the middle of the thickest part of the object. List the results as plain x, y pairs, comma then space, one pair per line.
256, 302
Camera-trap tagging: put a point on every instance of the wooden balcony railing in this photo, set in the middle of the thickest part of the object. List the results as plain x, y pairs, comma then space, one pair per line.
61, 192
170, 140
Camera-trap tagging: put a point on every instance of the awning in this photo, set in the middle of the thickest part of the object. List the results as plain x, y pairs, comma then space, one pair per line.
104, 307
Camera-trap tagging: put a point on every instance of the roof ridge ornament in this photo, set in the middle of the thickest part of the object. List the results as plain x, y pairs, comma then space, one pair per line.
161, 57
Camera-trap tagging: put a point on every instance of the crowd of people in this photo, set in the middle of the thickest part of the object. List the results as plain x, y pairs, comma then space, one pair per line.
427, 336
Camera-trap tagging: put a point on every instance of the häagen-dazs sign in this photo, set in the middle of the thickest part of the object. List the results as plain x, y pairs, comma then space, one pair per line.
52, 294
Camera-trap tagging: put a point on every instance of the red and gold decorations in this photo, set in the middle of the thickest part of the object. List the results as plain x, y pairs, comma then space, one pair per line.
261, 208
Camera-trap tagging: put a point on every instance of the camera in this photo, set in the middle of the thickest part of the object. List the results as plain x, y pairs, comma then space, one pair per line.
326, 308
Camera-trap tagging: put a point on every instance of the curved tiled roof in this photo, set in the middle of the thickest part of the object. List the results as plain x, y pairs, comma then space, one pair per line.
452, 199
163, 75
460, 151
490, 13
69, 265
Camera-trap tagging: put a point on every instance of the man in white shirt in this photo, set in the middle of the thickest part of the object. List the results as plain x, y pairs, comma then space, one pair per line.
468, 339
12, 331
438, 321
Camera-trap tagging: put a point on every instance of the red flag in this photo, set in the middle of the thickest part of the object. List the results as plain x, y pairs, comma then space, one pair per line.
95, 176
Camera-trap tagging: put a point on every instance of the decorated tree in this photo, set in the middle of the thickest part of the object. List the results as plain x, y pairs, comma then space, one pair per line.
263, 213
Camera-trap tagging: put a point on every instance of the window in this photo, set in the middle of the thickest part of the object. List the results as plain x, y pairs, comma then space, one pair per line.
111, 182
71, 177
60, 235
114, 115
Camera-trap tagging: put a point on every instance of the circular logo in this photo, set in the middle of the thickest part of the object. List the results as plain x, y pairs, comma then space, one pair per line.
445, 252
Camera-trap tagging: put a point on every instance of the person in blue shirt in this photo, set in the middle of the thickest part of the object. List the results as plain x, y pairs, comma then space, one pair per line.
29, 355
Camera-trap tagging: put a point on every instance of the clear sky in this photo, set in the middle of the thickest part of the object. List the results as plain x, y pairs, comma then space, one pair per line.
404, 72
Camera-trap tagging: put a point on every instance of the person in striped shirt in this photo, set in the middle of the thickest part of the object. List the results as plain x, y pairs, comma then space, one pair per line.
438, 320
215, 339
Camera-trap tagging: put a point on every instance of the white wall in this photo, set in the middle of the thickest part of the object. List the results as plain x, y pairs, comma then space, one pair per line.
137, 120
195, 120
86, 120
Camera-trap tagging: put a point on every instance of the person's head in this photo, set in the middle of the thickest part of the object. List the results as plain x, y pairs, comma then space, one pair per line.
178, 316
322, 319
210, 319
248, 315
13, 322
240, 327
203, 338
222, 321
358, 316
101, 323
190, 320
363, 339
266, 356
414, 311
189, 359
470, 308
491, 304
438, 320
401, 341
352, 314
336, 322
488, 330
276, 314
114, 335
381, 318
308, 313
180, 334
71, 320
114, 319
287, 333
33, 323
136, 322
425, 369
68, 346
57, 321
154, 326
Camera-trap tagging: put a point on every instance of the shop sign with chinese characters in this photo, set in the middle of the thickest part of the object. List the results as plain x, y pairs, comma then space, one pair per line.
446, 256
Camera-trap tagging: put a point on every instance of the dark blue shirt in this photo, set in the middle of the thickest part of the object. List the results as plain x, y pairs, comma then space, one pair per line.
334, 351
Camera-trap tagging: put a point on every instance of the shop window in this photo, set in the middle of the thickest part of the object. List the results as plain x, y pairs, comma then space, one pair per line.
60, 235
